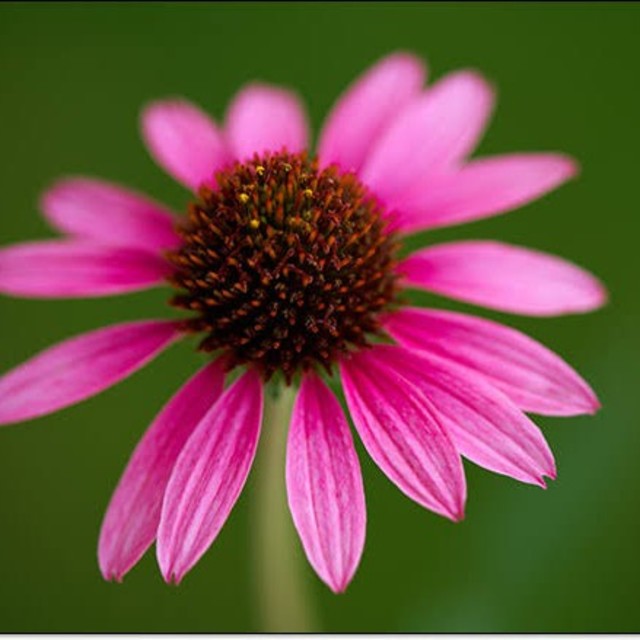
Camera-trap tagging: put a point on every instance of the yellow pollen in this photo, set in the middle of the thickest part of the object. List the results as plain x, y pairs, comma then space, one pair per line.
308, 193
259, 169
244, 198
254, 224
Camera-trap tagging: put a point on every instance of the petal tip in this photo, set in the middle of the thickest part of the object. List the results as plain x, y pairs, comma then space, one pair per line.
541, 480
569, 167
479, 80
148, 112
593, 300
602, 294
52, 191
408, 58
338, 583
585, 401
183, 140
166, 564
586, 404
171, 576
111, 574
338, 587
152, 114
594, 406
550, 471
455, 510
115, 577
456, 514
596, 293
153, 107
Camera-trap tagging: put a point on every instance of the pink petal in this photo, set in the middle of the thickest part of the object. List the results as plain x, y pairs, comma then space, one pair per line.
431, 135
184, 141
504, 277
73, 268
401, 432
483, 424
367, 107
81, 367
484, 188
532, 376
324, 484
109, 214
264, 118
209, 476
130, 524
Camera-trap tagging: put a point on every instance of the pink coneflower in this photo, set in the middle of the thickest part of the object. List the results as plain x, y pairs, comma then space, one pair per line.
288, 265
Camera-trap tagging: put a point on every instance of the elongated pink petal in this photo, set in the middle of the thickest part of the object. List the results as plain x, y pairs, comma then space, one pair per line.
74, 268
324, 485
504, 277
402, 433
532, 376
482, 422
209, 476
184, 141
81, 367
484, 188
432, 134
109, 214
131, 521
367, 108
265, 118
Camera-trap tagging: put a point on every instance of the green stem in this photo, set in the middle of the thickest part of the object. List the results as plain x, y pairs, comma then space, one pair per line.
282, 594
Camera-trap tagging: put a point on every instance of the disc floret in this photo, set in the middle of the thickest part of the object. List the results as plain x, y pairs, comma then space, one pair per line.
286, 265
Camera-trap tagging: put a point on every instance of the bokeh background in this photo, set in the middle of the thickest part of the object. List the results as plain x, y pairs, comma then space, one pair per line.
72, 80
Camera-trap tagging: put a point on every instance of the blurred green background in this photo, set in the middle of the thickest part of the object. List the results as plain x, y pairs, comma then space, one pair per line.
73, 78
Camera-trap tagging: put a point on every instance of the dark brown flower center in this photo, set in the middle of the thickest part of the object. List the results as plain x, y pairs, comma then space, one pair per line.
286, 266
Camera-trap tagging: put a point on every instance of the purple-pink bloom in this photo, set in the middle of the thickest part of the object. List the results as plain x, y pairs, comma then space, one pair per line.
288, 265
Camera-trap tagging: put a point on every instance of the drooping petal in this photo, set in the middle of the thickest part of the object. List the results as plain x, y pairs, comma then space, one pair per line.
482, 422
209, 476
324, 484
402, 433
109, 214
367, 108
265, 118
75, 268
184, 141
483, 188
131, 521
504, 277
532, 376
81, 367
430, 136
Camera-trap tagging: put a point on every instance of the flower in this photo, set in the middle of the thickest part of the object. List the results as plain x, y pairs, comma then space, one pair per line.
288, 265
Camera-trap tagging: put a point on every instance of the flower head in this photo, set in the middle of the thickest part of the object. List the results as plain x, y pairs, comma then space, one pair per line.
287, 265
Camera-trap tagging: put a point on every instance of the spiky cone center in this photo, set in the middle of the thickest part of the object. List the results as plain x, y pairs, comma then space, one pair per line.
286, 266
